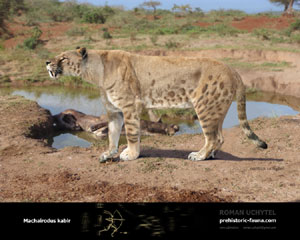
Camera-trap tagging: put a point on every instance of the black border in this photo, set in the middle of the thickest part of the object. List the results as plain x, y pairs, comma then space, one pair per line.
147, 220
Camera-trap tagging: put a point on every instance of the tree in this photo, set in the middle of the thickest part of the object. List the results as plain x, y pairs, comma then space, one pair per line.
152, 4
182, 10
288, 5
285, 3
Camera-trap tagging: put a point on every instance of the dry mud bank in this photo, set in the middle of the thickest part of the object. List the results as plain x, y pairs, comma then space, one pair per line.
33, 171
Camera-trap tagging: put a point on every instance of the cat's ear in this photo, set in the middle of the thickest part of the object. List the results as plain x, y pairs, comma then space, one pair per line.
82, 51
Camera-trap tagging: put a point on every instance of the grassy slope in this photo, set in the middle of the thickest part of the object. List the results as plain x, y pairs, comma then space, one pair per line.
136, 31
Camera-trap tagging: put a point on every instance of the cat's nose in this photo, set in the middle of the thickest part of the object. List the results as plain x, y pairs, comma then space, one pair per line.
48, 62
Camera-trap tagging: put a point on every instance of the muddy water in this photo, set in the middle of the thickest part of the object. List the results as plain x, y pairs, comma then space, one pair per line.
57, 99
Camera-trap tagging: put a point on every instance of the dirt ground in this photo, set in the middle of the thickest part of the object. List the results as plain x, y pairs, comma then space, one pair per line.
33, 171
253, 22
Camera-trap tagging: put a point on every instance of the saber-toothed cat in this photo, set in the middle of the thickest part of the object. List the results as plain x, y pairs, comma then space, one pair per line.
128, 82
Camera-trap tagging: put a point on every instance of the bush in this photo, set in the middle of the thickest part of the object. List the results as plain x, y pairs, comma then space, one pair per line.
93, 16
295, 38
31, 42
107, 11
263, 33
36, 32
269, 35
171, 44
154, 39
106, 35
293, 27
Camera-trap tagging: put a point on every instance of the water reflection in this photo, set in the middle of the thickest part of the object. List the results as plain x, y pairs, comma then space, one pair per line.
69, 139
58, 99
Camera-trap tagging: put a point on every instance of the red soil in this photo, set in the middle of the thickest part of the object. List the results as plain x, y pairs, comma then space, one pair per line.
252, 22
20, 32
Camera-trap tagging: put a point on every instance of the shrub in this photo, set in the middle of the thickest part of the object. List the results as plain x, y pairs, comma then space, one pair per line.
295, 25
31, 42
153, 39
171, 44
106, 35
263, 33
93, 16
36, 32
107, 12
199, 12
295, 38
